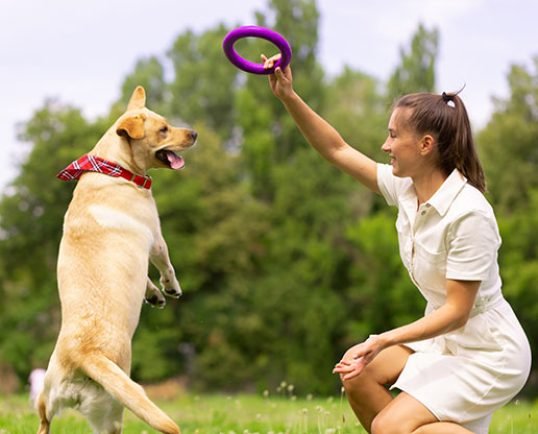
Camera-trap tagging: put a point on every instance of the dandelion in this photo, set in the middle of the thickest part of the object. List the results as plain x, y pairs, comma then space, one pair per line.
290, 388
342, 392
266, 393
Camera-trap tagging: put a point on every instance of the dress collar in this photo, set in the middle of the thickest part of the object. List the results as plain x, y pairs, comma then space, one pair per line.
443, 198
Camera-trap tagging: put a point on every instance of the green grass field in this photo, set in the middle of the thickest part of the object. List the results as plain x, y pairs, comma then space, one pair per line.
246, 414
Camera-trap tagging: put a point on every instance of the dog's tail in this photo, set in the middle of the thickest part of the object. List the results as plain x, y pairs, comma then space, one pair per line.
118, 384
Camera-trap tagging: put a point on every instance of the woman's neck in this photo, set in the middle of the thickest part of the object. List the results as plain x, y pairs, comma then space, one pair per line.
427, 184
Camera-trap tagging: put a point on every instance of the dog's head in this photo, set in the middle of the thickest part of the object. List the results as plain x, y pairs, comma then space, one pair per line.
152, 140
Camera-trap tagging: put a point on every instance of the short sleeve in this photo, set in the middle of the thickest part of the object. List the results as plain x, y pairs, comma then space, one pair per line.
473, 243
386, 183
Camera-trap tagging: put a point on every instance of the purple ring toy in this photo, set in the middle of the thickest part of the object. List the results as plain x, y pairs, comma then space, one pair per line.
257, 32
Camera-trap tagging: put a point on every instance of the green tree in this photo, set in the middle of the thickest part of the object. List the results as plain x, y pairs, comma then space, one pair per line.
204, 83
519, 263
507, 144
382, 295
215, 231
416, 72
149, 73
268, 135
31, 215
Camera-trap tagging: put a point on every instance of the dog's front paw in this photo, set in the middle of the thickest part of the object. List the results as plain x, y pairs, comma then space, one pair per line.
156, 300
153, 296
171, 287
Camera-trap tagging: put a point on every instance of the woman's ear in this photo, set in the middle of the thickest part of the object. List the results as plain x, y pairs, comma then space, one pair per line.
427, 144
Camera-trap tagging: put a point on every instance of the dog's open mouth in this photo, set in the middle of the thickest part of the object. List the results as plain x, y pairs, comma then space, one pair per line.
170, 158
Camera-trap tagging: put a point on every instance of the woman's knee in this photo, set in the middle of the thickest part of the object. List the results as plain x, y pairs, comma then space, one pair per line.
360, 383
384, 423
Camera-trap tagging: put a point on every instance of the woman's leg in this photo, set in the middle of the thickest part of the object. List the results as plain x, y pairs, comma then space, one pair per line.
405, 415
367, 393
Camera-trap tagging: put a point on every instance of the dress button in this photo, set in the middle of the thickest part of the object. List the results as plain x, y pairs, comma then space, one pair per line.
423, 212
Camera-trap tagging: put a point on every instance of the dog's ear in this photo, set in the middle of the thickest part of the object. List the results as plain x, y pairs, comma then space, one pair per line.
132, 127
138, 99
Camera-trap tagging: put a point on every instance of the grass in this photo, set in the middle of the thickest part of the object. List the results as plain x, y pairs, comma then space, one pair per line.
247, 414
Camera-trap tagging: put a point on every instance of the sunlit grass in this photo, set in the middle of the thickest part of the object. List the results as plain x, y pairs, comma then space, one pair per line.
268, 413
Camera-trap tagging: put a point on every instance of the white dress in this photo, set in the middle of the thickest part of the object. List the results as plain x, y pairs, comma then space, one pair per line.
465, 375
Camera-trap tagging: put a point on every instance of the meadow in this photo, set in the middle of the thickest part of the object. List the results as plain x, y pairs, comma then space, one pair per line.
278, 413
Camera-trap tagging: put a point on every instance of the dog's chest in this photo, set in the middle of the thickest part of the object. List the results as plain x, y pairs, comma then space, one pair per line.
123, 220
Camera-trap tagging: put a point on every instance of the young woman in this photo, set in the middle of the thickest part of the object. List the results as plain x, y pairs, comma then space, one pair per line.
468, 355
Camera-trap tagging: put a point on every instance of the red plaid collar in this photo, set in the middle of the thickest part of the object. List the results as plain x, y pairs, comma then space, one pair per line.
91, 163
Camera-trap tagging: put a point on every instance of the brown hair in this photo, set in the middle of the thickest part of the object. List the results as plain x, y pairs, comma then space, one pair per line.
445, 117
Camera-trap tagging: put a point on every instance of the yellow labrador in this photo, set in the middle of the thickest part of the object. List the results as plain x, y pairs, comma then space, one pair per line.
111, 229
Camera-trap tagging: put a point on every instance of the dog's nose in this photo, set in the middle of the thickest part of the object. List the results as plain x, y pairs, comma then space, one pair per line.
194, 135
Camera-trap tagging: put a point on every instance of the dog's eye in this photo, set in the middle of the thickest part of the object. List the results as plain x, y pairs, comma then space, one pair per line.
164, 129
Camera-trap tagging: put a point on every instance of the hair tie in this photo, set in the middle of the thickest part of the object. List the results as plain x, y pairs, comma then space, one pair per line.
447, 98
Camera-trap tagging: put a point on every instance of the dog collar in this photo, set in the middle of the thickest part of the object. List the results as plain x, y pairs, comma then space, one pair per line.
92, 163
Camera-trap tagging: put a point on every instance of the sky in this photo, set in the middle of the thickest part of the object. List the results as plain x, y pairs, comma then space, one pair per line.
79, 51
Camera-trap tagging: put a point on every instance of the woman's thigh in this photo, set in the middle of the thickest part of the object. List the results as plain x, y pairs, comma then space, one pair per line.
403, 414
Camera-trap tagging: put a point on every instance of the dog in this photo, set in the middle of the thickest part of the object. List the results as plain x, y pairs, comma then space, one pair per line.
111, 232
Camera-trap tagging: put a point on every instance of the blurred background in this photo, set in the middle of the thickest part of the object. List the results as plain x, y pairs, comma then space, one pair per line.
284, 261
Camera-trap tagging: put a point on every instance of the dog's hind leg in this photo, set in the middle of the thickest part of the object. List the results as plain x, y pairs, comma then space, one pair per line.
118, 384
107, 418
154, 296
44, 423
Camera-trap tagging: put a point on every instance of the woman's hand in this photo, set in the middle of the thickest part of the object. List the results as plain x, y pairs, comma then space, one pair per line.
281, 80
357, 357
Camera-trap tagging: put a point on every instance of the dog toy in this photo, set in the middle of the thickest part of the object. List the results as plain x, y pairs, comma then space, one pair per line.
257, 32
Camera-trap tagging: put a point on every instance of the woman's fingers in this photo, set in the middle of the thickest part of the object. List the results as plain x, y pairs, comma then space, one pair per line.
348, 370
269, 62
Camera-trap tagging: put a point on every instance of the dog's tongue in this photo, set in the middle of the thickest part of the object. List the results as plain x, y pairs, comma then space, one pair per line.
176, 162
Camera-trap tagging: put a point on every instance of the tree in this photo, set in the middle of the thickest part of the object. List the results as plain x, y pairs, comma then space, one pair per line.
149, 73
519, 263
31, 216
416, 72
268, 135
204, 84
507, 144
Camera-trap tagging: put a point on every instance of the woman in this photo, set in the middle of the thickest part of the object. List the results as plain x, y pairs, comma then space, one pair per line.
468, 355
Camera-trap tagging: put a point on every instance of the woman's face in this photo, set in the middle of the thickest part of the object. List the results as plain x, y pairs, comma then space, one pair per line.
402, 145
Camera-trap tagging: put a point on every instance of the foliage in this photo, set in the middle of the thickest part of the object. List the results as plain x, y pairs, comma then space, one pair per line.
508, 143
416, 72
284, 260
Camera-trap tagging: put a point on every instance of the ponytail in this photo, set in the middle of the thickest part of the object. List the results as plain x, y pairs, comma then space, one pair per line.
445, 117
